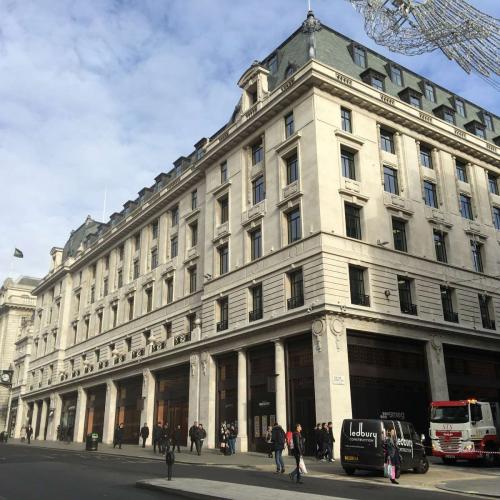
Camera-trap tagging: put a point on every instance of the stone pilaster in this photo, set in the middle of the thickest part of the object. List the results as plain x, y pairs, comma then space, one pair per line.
81, 408
21, 417
43, 419
34, 418
208, 393
55, 410
279, 369
109, 412
437, 370
331, 373
194, 389
148, 398
242, 440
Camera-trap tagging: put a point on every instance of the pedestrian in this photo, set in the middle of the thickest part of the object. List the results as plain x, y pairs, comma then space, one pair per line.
144, 434
200, 436
278, 439
23, 433
223, 438
269, 442
29, 433
157, 429
317, 440
165, 435
177, 438
324, 441
298, 452
118, 437
330, 443
192, 434
392, 456
233, 434
169, 458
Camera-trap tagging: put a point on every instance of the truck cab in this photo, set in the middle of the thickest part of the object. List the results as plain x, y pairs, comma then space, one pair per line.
465, 429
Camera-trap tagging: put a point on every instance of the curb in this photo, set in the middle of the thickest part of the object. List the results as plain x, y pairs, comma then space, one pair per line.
443, 487
179, 493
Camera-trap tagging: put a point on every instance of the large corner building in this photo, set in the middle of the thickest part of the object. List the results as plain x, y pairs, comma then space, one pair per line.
333, 251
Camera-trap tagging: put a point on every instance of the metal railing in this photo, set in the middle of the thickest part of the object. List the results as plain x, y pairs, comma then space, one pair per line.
360, 299
222, 325
255, 315
296, 301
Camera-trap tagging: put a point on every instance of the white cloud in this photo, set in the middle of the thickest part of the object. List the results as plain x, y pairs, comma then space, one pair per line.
109, 94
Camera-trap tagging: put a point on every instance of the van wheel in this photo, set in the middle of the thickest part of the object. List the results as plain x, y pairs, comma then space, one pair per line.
449, 461
349, 471
423, 466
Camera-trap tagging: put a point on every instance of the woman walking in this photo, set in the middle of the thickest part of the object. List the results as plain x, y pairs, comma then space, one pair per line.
269, 441
392, 455
298, 452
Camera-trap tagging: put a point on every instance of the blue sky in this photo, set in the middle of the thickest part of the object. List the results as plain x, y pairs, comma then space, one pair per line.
106, 94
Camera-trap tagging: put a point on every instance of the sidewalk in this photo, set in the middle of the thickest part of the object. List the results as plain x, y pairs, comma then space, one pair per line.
483, 487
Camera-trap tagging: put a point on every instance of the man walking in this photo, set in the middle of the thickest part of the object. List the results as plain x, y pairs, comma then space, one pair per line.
29, 433
330, 442
118, 437
192, 434
165, 435
177, 438
298, 452
199, 438
157, 437
278, 440
144, 434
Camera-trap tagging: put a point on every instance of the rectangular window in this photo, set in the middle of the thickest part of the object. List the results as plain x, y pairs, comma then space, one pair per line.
191, 322
348, 164
466, 207
106, 262
194, 233
257, 153
105, 287
92, 297
426, 157
496, 217
169, 283
396, 76
114, 315
136, 268
377, 82
256, 243
154, 258
357, 286
461, 170
93, 272
223, 306
479, 132
154, 229
119, 278
485, 307
224, 209
405, 299
391, 180
121, 252
149, 299
488, 121
399, 235
223, 252
223, 172
430, 195
346, 119
293, 225
289, 125
174, 216
493, 183
353, 221
87, 327
460, 107
359, 56
168, 329
449, 116
440, 246
430, 92
137, 242
174, 247
387, 140
192, 279
296, 281
258, 192
77, 303
292, 169
447, 303
194, 199
477, 256
415, 100
130, 302
256, 312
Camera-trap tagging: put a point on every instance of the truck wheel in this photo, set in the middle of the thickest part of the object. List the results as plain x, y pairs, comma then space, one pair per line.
423, 466
349, 471
488, 459
449, 461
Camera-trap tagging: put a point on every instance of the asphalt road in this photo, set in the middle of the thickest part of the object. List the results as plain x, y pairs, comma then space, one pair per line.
30, 473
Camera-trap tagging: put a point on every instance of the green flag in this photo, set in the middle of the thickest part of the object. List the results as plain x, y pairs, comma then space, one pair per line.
18, 253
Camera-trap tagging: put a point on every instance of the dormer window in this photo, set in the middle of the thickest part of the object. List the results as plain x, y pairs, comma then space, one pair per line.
430, 91
460, 107
374, 78
476, 128
359, 55
488, 121
272, 64
445, 113
411, 96
290, 70
396, 75
252, 94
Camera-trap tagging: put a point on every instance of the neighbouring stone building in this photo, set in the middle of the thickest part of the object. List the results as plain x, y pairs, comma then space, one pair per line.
332, 251
17, 306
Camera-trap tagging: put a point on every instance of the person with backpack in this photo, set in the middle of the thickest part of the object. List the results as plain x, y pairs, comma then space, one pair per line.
278, 439
298, 452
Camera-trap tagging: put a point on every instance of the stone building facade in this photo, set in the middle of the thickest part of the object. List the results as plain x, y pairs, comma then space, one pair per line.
17, 306
333, 251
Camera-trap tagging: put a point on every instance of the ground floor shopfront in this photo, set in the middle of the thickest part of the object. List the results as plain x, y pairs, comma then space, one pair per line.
336, 370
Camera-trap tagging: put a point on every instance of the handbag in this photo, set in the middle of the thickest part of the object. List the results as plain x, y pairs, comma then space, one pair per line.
302, 466
391, 471
386, 469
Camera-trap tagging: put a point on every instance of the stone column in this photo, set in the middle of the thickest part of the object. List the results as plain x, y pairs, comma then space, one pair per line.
109, 412
331, 373
194, 390
208, 394
437, 370
148, 398
20, 418
81, 408
242, 440
54, 416
43, 419
280, 380
34, 418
